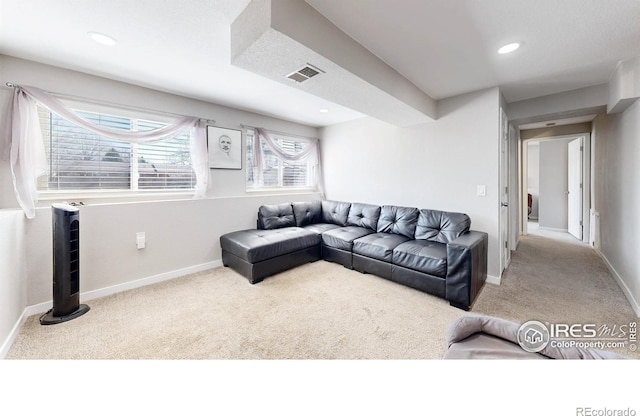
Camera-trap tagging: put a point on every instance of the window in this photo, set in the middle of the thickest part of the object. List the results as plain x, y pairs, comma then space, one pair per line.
276, 173
82, 160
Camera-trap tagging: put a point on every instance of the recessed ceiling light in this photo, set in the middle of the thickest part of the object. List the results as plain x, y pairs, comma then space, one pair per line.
324, 110
509, 48
102, 38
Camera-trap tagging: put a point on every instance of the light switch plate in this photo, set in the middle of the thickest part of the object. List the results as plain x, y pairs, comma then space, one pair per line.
482, 190
141, 240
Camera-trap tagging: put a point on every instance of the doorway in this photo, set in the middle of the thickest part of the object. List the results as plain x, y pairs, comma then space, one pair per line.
556, 177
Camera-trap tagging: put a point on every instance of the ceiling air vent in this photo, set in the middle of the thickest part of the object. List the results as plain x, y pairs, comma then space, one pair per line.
303, 74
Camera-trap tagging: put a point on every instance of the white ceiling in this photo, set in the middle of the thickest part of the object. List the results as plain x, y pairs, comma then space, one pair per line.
445, 47
448, 47
177, 46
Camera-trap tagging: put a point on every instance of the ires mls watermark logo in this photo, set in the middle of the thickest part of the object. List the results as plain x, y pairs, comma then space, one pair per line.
534, 336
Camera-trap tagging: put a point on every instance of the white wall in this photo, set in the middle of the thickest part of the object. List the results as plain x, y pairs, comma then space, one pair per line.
13, 274
533, 176
182, 235
616, 183
435, 165
553, 204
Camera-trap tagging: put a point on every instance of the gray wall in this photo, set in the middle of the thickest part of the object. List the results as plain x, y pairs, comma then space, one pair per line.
434, 165
616, 196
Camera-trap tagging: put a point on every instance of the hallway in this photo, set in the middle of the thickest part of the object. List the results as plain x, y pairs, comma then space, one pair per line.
533, 228
557, 281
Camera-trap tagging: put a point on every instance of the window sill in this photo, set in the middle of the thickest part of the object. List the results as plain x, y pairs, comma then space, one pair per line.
274, 190
105, 197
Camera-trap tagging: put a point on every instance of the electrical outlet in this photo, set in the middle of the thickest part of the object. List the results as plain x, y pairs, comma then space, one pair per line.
141, 240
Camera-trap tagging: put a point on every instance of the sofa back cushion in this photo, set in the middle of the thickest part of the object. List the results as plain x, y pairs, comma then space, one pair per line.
335, 212
275, 216
307, 213
441, 226
364, 215
398, 220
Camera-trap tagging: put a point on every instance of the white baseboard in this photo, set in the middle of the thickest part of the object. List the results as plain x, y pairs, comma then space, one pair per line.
99, 293
625, 289
94, 294
13, 334
494, 280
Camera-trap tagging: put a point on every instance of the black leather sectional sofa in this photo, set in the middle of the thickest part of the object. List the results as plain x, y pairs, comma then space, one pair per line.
428, 250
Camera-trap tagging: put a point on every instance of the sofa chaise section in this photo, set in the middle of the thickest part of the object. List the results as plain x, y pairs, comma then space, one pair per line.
259, 253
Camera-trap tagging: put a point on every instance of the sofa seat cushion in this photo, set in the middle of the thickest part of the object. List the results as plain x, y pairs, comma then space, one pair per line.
423, 256
343, 237
320, 227
378, 246
258, 245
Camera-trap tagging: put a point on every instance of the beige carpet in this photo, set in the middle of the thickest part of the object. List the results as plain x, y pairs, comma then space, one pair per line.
322, 311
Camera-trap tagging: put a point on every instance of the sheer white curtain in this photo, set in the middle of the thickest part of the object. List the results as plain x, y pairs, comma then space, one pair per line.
309, 154
27, 154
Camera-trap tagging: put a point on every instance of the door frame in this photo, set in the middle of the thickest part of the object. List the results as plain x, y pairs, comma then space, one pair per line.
504, 191
575, 186
586, 181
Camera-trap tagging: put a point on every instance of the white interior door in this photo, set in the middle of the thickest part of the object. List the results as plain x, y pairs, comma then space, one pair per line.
505, 254
574, 214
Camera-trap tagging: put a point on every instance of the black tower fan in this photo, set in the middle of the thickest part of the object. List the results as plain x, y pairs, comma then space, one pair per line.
66, 266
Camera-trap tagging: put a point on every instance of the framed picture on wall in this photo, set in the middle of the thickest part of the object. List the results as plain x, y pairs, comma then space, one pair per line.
225, 148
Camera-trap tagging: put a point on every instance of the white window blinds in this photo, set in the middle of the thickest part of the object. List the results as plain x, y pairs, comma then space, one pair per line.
82, 160
273, 172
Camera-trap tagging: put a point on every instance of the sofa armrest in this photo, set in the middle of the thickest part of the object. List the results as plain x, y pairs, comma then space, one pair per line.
466, 268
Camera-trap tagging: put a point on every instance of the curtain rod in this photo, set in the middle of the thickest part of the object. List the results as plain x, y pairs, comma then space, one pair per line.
244, 126
124, 107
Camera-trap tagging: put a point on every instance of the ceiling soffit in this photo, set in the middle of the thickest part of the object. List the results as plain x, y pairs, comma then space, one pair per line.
275, 38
